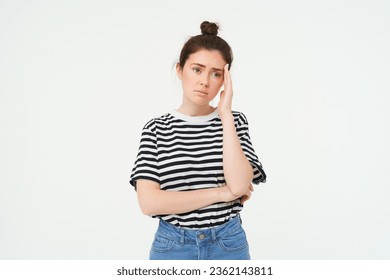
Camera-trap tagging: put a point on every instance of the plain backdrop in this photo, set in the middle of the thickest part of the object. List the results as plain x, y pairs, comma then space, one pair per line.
79, 79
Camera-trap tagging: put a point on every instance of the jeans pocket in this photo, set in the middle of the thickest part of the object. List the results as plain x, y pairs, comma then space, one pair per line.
162, 244
234, 241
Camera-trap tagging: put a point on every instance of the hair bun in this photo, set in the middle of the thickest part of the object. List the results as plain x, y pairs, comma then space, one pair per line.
209, 28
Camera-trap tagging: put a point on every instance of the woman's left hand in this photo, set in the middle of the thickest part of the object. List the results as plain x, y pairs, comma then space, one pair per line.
226, 97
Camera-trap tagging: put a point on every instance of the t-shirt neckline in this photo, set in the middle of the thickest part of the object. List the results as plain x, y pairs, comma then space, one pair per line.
195, 119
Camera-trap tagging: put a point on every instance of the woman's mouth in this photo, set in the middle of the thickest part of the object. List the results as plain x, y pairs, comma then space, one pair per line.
202, 92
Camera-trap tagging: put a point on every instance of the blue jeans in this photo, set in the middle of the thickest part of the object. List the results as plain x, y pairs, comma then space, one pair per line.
225, 242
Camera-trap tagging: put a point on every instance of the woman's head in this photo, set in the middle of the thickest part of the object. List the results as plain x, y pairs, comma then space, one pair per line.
208, 40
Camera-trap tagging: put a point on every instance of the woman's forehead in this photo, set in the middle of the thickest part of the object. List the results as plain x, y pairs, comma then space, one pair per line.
207, 58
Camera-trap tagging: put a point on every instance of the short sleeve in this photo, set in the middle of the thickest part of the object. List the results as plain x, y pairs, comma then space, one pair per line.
242, 128
146, 164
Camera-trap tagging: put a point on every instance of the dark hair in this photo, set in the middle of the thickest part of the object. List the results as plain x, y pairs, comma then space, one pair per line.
207, 40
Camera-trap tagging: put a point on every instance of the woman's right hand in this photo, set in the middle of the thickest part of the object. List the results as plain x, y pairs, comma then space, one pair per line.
227, 195
247, 196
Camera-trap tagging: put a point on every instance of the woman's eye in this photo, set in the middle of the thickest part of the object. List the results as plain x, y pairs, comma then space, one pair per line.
196, 69
216, 74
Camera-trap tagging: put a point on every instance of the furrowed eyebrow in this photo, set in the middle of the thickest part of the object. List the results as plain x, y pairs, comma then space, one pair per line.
204, 66
198, 64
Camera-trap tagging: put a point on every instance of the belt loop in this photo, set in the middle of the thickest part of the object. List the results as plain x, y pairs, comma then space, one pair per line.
182, 233
213, 235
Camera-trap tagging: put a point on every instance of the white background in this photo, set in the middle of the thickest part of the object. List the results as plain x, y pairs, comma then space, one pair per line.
79, 79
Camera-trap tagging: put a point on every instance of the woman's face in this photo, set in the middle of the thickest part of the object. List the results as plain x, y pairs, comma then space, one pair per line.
202, 76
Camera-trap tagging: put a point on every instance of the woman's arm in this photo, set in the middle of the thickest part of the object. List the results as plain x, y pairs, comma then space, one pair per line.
236, 167
153, 201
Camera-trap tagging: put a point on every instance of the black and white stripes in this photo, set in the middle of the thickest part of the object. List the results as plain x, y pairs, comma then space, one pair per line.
184, 153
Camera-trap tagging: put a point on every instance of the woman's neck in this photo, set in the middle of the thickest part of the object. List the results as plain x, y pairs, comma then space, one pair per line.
195, 111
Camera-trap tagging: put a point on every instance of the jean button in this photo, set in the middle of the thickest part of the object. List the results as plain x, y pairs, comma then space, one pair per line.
201, 236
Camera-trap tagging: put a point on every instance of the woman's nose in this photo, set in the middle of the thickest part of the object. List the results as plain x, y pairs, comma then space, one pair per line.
204, 80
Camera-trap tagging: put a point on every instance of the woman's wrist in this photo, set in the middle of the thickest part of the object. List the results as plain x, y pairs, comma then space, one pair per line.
226, 117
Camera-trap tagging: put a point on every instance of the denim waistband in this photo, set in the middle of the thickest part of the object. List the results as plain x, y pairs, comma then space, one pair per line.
196, 236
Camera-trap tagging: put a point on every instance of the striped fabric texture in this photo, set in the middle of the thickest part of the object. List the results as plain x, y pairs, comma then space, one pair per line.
184, 153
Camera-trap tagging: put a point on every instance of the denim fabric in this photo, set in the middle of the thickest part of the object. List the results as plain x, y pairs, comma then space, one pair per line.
225, 242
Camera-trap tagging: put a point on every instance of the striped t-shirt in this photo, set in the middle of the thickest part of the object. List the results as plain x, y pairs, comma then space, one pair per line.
183, 153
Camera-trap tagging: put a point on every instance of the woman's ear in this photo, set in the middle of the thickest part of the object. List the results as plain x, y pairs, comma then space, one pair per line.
179, 71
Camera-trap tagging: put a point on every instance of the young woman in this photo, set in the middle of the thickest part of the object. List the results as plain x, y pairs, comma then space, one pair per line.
196, 164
